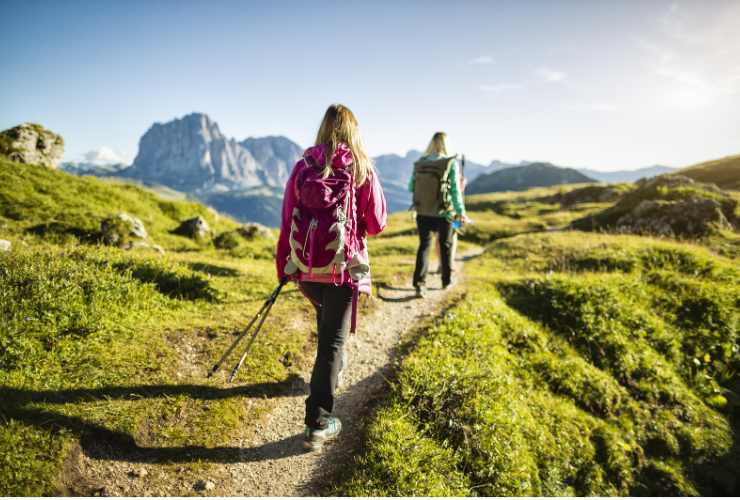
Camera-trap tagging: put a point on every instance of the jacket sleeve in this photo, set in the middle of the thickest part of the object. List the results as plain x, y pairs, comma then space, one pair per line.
289, 202
456, 195
371, 210
412, 181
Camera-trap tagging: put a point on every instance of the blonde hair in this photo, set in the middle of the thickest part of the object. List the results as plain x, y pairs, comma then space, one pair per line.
438, 145
340, 126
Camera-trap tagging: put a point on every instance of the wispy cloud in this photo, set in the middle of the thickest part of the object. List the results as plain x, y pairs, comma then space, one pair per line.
103, 155
481, 60
550, 75
499, 87
688, 56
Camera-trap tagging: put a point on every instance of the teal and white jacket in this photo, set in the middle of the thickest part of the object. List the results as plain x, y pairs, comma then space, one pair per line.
453, 177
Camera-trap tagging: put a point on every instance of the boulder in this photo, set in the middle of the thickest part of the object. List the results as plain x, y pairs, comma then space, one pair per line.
33, 144
5, 246
196, 228
204, 485
119, 230
254, 230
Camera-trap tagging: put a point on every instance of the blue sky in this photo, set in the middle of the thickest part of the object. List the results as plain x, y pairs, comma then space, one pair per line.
603, 84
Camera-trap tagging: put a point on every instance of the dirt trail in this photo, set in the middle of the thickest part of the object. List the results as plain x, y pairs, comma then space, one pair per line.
272, 462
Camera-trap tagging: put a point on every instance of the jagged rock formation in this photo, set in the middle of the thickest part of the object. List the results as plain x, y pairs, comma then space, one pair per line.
276, 156
33, 144
191, 154
525, 177
671, 205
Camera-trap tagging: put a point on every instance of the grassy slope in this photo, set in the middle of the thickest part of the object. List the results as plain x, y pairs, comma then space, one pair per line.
724, 172
577, 364
100, 344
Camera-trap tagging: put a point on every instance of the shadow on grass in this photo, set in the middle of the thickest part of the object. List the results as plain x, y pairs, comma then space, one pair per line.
214, 270
59, 232
170, 283
100, 442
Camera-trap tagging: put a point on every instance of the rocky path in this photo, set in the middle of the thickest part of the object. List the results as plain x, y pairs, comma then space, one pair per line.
272, 462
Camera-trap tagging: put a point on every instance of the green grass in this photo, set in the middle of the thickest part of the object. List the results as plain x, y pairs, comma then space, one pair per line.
577, 364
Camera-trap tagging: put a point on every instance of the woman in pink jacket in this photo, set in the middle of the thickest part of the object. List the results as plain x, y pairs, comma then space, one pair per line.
332, 201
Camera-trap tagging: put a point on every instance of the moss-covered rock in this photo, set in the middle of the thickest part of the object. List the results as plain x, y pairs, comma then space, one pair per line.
121, 229
196, 228
33, 144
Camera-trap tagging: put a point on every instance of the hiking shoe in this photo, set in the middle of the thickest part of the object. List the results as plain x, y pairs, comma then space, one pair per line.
313, 439
420, 292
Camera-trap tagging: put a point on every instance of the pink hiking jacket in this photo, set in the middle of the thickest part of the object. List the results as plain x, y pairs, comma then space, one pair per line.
371, 211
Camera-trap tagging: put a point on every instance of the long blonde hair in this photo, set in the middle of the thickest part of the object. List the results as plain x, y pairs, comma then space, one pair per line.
438, 145
340, 126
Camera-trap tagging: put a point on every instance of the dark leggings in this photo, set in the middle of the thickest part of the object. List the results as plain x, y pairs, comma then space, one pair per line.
333, 313
426, 226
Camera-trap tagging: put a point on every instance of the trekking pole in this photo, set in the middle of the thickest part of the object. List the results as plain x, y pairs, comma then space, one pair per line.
264, 310
251, 340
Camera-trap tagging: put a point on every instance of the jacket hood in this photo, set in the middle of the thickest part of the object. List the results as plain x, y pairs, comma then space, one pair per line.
316, 156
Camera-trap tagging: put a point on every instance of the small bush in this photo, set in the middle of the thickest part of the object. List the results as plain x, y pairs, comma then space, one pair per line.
228, 240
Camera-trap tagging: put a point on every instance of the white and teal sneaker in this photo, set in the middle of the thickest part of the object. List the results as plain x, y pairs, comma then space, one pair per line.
313, 439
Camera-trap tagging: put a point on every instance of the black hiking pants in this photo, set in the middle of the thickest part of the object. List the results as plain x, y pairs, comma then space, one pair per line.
333, 314
426, 226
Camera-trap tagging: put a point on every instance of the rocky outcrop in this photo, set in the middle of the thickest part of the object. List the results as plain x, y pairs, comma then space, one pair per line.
121, 229
196, 228
276, 156
253, 230
32, 144
191, 154
672, 205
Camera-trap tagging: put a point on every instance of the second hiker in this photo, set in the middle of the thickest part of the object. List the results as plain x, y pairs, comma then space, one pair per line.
438, 202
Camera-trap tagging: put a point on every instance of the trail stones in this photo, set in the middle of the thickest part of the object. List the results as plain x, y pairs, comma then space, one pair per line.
140, 472
32, 144
204, 485
5, 246
254, 230
119, 230
196, 228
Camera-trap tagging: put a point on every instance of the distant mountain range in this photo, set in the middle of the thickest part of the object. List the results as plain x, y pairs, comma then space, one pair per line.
245, 178
524, 177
